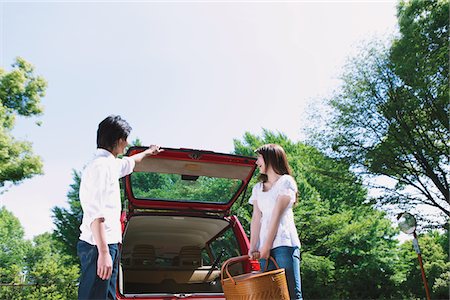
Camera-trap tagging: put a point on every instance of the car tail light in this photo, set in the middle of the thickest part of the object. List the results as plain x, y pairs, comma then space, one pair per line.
123, 220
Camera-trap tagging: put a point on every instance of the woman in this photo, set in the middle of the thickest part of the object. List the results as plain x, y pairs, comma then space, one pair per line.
272, 229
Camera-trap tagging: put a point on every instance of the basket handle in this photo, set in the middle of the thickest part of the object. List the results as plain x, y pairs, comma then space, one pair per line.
237, 259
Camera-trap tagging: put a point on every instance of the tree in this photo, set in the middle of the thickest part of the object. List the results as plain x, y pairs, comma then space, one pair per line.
391, 112
47, 268
13, 248
37, 270
435, 262
20, 94
68, 221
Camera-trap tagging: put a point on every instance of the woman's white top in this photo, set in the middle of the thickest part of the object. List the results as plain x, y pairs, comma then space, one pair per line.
287, 233
100, 195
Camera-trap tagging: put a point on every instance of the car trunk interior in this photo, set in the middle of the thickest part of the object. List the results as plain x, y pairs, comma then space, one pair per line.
173, 254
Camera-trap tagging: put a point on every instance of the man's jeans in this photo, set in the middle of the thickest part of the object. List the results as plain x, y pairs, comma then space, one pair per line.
287, 258
91, 286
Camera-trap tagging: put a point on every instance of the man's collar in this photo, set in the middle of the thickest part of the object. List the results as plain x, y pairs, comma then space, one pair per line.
103, 153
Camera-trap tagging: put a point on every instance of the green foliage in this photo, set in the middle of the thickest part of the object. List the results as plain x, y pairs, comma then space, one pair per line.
174, 188
424, 32
435, 263
362, 249
48, 270
21, 90
391, 112
322, 269
68, 221
13, 248
225, 246
20, 94
37, 270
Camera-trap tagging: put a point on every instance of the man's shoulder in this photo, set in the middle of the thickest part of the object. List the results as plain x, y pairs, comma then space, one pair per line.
99, 161
96, 164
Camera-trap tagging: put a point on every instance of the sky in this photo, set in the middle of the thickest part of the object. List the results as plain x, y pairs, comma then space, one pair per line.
184, 74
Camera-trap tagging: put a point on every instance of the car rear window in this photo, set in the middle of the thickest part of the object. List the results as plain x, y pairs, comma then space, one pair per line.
186, 188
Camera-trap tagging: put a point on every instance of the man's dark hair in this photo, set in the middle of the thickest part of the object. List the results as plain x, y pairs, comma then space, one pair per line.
110, 130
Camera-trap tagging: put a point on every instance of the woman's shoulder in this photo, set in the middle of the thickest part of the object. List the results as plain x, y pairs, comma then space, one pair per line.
287, 177
287, 180
257, 186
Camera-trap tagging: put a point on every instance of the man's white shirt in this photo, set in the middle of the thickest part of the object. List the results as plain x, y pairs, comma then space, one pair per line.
100, 194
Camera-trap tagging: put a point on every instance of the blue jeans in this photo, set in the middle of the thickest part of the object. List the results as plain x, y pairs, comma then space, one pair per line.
287, 258
91, 286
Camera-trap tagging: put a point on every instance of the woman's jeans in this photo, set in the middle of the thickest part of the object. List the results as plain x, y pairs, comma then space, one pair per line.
91, 286
287, 258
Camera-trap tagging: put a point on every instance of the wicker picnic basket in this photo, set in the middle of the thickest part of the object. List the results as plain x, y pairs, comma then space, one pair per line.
269, 285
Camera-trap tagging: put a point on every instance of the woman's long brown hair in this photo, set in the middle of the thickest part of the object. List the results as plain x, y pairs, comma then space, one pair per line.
275, 157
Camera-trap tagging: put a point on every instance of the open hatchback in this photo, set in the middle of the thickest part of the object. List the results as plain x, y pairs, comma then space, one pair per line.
178, 228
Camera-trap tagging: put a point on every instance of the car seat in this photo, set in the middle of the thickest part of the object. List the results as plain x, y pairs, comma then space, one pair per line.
143, 255
190, 256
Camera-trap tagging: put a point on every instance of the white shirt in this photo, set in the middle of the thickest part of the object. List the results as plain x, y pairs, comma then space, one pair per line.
100, 195
287, 232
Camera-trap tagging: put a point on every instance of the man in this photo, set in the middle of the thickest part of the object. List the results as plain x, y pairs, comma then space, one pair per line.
100, 200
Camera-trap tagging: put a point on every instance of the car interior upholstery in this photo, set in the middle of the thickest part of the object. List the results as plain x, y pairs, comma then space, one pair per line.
193, 168
170, 254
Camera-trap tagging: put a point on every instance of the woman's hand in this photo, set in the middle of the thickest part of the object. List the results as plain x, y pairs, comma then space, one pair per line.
253, 254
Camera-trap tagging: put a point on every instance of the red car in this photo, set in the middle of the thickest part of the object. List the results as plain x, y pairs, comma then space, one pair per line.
178, 228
